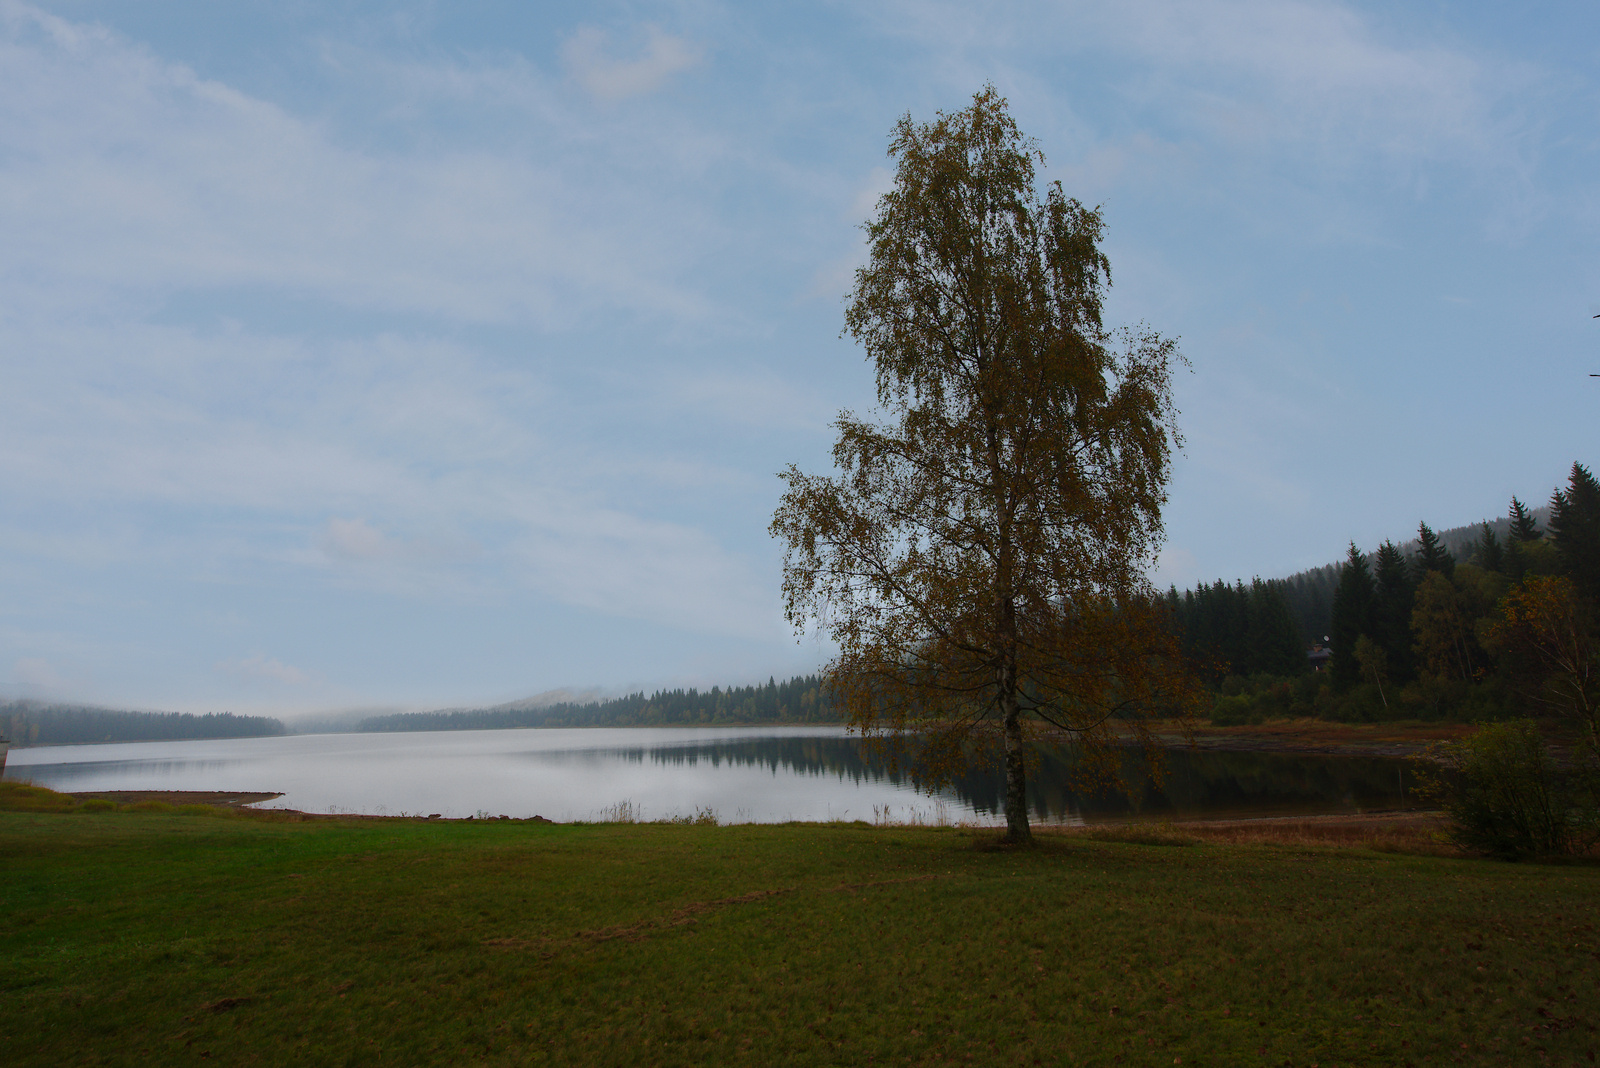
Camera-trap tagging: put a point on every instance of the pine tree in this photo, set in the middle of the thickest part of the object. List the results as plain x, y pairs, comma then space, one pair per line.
1575, 529
1433, 556
1523, 527
1352, 616
1489, 554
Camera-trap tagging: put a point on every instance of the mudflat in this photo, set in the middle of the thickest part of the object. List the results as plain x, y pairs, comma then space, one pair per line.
215, 798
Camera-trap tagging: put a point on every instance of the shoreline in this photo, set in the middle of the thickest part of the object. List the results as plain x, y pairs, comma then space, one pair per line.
1378, 818
1328, 737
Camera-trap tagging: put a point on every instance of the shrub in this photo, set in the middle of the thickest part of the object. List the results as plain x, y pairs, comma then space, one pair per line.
1506, 797
1235, 711
1250, 701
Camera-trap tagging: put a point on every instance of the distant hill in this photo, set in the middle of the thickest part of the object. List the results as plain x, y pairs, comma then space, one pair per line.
800, 700
42, 723
551, 698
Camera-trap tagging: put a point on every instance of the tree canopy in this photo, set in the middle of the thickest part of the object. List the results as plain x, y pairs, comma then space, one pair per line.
979, 557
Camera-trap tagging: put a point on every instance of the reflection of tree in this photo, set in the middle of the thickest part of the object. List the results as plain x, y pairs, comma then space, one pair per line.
840, 757
1195, 782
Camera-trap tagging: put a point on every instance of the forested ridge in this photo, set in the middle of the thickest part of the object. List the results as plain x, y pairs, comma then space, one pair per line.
1308, 594
1478, 622
38, 723
799, 700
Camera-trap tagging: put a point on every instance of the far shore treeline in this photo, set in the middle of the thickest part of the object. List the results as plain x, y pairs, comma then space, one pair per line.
36, 723
1454, 625
800, 700
1480, 623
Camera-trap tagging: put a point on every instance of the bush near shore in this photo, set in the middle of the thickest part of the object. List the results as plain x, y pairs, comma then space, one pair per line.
135, 937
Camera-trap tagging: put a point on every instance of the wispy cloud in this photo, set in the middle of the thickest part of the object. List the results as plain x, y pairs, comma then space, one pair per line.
355, 539
133, 182
375, 436
134, 175
592, 59
1283, 76
1259, 79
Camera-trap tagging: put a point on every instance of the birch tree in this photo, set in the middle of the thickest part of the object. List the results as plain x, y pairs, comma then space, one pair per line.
979, 556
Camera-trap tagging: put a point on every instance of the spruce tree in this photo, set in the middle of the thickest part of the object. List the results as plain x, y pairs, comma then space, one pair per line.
1392, 610
1523, 527
1489, 554
1575, 529
1274, 637
1241, 651
1352, 617
1310, 597
1432, 555
1190, 613
1524, 532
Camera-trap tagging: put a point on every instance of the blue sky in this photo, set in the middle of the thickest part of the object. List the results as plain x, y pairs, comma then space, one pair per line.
404, 355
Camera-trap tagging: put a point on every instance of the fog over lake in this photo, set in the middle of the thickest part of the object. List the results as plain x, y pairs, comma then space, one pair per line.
743, 774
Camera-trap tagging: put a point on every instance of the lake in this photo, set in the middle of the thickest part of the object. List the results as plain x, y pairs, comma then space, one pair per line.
743, 774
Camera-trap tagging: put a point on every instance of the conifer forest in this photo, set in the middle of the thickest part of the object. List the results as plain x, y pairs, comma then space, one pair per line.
1492, 621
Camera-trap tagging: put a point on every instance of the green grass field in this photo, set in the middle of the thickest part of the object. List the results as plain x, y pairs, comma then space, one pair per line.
139, 937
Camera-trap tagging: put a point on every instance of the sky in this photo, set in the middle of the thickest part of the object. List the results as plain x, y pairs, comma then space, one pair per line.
360, 355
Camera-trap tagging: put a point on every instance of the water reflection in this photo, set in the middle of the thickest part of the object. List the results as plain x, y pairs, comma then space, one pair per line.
1194, 783
754, 774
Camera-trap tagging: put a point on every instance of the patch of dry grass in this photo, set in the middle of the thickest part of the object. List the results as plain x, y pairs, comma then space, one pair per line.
1419, 835
19, 796
25, 797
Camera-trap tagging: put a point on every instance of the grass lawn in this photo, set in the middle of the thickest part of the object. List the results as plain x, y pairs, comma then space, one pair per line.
133, 937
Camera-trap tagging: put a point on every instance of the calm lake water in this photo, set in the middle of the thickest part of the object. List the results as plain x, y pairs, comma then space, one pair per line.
743, 774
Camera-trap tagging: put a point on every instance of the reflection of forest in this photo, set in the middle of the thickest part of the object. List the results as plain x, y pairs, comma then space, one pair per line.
1195, 783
